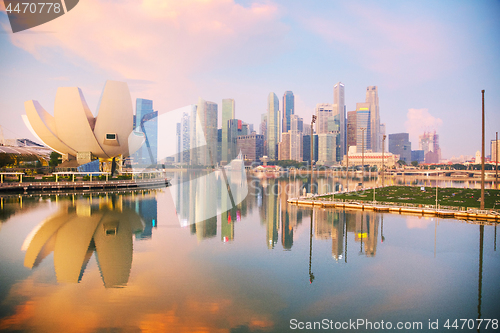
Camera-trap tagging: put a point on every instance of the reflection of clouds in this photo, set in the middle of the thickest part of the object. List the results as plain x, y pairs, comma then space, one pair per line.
382, 293
171, 289
414, 222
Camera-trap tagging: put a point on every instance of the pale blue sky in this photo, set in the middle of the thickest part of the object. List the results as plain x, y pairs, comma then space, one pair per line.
422, 55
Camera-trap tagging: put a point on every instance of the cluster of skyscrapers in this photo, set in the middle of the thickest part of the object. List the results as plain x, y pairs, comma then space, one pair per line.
283, 134
335, 131
428, 144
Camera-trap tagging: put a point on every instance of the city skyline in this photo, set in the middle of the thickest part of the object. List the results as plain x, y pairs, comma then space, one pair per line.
410, 52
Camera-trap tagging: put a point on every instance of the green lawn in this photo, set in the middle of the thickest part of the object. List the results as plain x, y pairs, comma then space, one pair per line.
413, 194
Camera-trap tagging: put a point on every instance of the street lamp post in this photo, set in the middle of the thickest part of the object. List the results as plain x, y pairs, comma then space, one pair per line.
313, 120
363, 155
482, 158
347, 166
437, 178
496, 161
383, 166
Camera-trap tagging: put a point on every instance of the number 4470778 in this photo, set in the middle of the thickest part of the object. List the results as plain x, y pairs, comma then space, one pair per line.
471, 324
32, 7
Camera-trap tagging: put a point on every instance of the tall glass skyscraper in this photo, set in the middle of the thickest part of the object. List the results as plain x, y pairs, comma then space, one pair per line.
207, 116
372, 99
339, 109
288, 110
146, 121
363, 127
227, 114
273, 126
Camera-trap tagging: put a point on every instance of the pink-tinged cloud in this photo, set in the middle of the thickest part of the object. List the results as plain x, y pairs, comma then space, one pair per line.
166, 43
386, 42
420, 121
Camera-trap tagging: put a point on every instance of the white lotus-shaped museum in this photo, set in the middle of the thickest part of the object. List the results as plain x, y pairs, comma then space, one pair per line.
73, 130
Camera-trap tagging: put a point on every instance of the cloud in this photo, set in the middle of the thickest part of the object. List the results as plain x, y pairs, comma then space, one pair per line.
386, 42
420, 121
166, 42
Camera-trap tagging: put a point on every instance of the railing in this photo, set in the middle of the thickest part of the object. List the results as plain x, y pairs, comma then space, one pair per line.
408, 205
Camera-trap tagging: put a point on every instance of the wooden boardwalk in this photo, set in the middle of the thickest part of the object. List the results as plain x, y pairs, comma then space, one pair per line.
471, 214
81, 185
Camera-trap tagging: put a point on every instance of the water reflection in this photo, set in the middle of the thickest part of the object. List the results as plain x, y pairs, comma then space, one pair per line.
363, 263
77, 231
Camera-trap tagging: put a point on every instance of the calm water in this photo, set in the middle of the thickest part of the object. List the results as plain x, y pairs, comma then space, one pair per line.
173, 260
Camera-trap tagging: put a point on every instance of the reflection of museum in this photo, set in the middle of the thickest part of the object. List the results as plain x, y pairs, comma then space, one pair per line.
101, 225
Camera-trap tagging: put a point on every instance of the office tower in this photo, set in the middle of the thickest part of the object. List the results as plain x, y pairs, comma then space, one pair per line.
340, 110
429, 143
372, 100
306, 130
351, 129
284, 147
234, 127
228, 112
288, 110
494, 147
273, 126
207, 115
203, 133
382, 133
323, 112
296, 123
185, 153
296, 127
306, 148
263, 130
363, 127
146, 120
326, 148
263, 125
417, 155
244, 130
399, 143
219, 145
251, 146
178, 142
196, 137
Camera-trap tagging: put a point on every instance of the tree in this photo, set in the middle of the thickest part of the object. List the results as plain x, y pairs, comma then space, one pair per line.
6, 159
401, 162
54, 159
414, 163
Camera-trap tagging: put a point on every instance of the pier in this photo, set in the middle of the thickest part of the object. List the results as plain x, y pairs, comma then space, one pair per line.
469, 214
81, 185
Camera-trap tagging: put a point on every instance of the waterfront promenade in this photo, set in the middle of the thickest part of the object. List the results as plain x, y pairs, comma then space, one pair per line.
461, 213
16, 187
